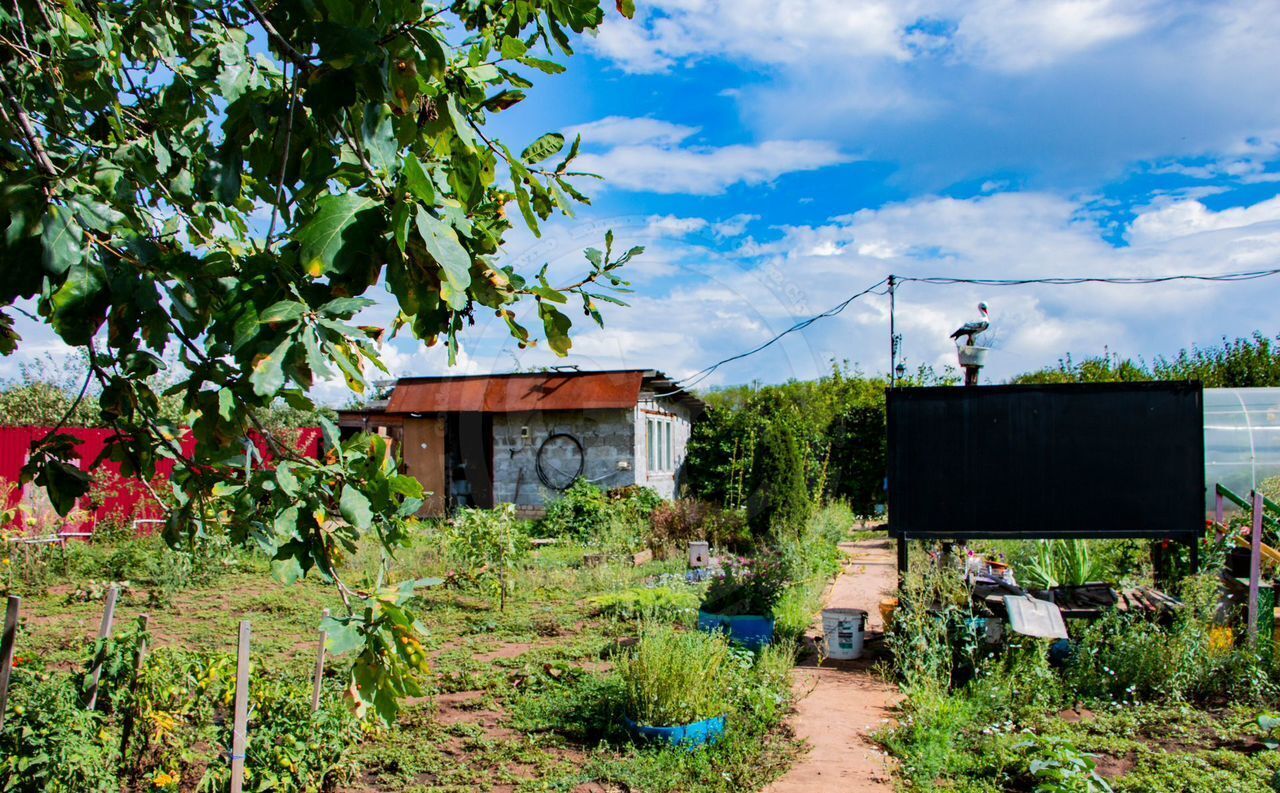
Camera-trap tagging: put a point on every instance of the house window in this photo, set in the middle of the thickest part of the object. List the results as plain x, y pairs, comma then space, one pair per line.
658, 444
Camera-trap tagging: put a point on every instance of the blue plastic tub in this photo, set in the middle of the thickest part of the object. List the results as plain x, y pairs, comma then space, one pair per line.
748, 630
689, 736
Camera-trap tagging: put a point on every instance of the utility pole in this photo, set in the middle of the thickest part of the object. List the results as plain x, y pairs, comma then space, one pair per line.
893, 337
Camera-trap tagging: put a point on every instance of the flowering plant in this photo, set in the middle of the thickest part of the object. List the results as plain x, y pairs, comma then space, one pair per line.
746, 586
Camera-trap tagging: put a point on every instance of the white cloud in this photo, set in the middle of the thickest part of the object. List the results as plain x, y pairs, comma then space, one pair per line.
1014, 35
1184, 218
763, 31
1071, 91
711, 304
626, 131
734, 226
672, 226
707, 170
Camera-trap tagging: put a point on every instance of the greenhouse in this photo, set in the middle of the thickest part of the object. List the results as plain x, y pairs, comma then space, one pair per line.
1241, 439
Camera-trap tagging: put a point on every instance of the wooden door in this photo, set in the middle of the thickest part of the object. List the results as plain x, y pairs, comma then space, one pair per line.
424, 460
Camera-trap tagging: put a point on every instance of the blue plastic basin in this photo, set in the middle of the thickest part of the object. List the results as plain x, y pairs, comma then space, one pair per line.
748, 630
689, 735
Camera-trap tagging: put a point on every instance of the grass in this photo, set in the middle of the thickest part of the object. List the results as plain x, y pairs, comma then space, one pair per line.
523, 699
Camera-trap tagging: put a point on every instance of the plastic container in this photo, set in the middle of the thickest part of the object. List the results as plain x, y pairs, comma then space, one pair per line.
972, 356
748, 630
699, 554
690, 736
843, 629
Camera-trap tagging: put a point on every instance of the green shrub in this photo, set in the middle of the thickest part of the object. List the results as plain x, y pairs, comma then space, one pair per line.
673, 677
50, 743
484, 547
746, 586
1124, 657
1055, 766
1060, 563
649, 603
780, 501
291, 749
638, 500
684, 520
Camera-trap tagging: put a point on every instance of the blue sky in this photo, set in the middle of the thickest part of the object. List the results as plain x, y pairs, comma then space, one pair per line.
776, 157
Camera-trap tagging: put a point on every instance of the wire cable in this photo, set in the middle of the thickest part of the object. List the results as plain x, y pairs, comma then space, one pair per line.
702, 374
1250, 275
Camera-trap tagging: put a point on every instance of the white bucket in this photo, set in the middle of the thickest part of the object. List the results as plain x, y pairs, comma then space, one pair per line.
843, 629
699, 554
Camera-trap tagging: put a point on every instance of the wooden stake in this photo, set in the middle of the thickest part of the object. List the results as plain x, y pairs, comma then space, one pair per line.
126, 730
104, 633
319, 681
239, 728
1255, 564
143, 621
7, 642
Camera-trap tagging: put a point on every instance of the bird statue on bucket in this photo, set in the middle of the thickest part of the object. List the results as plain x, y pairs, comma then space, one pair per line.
972, 329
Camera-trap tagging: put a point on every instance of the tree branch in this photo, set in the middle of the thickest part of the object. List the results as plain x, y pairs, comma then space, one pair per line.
299, 60
43, 163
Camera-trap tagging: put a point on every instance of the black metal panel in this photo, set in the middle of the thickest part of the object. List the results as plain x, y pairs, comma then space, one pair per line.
1041, 461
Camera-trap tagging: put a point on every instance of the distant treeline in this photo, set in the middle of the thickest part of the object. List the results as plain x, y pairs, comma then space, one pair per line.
767, 447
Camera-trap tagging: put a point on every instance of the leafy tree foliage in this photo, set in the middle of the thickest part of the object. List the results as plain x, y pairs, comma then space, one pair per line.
1252, 362
838, 425
225, 182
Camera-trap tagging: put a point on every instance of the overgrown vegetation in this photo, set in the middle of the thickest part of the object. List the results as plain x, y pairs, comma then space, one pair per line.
532, 695
983, 715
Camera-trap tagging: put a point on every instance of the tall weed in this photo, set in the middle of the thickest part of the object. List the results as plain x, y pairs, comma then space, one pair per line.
673, 677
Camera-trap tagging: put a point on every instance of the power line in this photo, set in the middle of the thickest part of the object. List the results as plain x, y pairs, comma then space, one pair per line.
1250, 275
702, 374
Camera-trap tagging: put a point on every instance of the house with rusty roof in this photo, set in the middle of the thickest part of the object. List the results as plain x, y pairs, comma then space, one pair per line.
522, 438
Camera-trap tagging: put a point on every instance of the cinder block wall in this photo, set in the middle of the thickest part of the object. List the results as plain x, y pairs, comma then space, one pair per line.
607, 437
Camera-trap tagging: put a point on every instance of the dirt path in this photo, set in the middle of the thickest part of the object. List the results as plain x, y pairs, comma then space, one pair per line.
840, 703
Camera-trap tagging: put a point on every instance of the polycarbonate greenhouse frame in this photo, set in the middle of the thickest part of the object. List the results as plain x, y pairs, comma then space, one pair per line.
1241, 439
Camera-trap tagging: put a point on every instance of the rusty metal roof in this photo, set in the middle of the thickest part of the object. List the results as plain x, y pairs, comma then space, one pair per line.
518, 393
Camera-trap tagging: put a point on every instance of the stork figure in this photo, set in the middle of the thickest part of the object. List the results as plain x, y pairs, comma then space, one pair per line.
972, 329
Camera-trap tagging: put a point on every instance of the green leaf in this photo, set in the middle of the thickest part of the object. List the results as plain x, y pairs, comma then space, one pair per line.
60, 238
542, 148
345, 307
342, 634
233, 75
416, 179
513, 48
503, 100
547, 293
556, 325
267, 376
285, 478
544, 66
333, 239
355, 507
285, 311
380, 139
441, 242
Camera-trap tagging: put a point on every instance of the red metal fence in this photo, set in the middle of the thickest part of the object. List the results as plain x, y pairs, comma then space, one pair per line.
118, 497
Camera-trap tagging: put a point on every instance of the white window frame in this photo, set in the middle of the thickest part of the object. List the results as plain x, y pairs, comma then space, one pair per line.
660, 444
